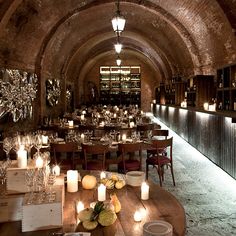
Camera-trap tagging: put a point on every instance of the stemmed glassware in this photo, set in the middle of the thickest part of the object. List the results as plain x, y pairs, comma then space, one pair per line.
30, 182
38, 143
50, 182
28, 143
7, 146
3, 170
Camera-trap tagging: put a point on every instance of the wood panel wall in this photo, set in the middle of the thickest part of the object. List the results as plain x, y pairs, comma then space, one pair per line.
213, 135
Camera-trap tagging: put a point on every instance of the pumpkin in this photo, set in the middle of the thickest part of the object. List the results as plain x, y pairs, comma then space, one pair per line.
89, 182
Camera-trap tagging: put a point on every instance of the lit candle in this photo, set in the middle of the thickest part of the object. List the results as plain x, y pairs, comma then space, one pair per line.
82, 138
72, 181
82, 117
131, 124
102, 175
56, 170
83, 112
154, 101
44, 139
137, 216
22, 157
115, 115
39, 162
206, 106
101, 192
71, 123
144, 191
79, 206
123, 137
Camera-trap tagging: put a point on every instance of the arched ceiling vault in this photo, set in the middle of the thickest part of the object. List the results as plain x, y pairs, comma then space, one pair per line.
50, 36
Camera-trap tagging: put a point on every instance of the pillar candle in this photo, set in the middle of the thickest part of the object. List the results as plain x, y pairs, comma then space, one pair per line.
71, 123
124, 137
44, 139
79, 206
39, 162
101, 192
82, 117
72, 181
56, 170
137, 216
82, 138
131, 124
102, 175
115, 115
22, 157
144, 191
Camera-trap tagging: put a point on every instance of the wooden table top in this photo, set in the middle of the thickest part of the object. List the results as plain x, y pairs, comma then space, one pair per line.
161, 205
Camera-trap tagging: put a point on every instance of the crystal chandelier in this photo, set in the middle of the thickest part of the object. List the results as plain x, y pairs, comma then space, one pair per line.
17, 92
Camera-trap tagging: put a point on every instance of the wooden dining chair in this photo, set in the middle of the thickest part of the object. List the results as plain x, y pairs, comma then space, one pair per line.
64, 154
95, 156
160, 159
144, 130
157, 134
130, 161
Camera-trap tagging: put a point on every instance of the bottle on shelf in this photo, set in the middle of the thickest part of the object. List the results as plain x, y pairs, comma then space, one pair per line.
221, 81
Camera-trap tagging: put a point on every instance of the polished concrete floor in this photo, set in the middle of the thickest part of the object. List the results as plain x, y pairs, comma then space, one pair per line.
207, 193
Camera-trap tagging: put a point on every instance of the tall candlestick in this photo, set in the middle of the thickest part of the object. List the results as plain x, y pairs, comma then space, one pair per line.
144, 191
72, 181
56, 170
101, 192
22, 157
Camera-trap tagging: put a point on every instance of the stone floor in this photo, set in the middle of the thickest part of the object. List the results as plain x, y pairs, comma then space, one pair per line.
207, 193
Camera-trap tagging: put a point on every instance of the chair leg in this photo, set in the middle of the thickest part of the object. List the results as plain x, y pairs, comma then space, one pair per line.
159, 174
172, 173
147, 169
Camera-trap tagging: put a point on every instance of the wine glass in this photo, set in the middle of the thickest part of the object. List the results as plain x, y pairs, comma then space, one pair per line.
38, 143
28, 143
7, 146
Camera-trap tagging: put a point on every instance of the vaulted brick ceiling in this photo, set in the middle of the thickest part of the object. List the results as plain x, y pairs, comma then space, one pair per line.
61, 37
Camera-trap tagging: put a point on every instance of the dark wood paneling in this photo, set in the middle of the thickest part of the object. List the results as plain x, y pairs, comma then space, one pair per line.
213, 135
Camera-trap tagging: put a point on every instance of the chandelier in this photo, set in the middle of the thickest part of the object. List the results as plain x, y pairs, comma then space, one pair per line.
118, 24
17, 92
118, 21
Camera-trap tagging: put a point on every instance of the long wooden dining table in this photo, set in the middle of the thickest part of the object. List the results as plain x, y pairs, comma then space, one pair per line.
161, 205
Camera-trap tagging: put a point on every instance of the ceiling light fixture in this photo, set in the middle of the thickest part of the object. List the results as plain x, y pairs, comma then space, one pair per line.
118, 21
118, 61
118, 46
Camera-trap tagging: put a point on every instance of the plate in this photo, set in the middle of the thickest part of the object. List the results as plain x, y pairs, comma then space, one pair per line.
157, 228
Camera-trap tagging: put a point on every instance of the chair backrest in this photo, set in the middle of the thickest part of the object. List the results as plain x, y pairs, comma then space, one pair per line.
160, 132
145, 127
64, 147
95, 149
164, 144
129, 147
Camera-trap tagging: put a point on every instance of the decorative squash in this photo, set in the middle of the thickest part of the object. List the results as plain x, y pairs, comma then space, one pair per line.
89, 182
